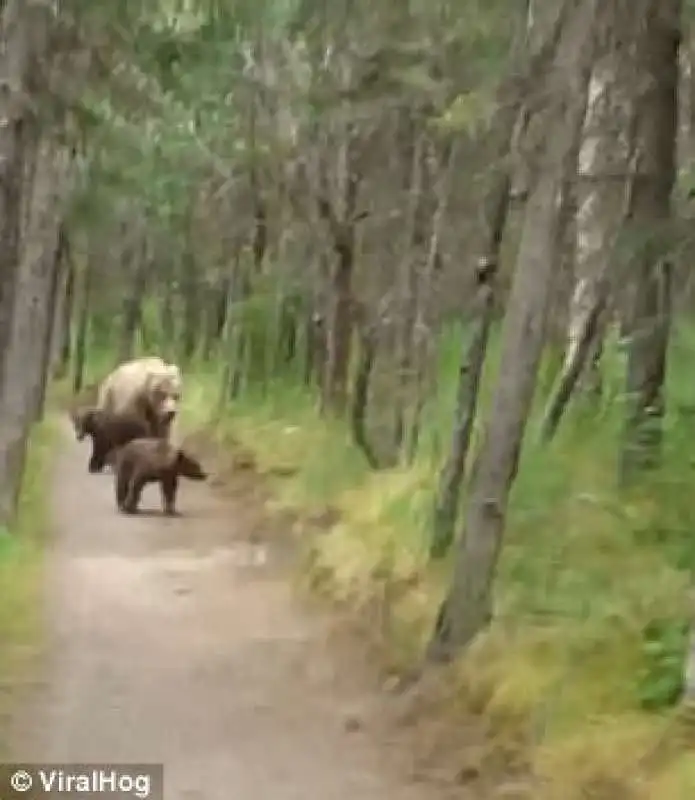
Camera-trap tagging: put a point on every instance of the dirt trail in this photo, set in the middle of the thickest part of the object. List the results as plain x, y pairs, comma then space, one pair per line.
168, 646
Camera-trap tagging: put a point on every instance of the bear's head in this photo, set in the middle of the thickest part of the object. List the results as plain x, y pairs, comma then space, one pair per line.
163, 390
83, 422
189, 467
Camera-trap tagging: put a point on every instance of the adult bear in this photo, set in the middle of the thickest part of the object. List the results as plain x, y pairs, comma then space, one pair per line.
148, 383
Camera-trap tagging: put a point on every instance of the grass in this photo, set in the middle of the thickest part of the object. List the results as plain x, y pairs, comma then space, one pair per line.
586, 654
21, 569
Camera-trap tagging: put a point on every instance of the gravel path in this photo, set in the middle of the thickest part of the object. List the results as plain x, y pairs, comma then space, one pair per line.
168, 644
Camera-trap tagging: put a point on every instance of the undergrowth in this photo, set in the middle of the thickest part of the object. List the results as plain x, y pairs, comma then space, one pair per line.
21, 563
591, 595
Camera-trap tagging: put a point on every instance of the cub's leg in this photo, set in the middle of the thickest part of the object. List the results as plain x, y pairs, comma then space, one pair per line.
137, 484
135, 487
168, 487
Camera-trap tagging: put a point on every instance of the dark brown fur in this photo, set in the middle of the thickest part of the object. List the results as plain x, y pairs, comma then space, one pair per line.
108, 432
152, 460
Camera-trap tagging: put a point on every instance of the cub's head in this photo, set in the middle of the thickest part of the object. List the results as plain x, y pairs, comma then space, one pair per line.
189, 467
83, 421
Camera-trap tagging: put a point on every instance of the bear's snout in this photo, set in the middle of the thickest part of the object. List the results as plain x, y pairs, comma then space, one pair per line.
167, 415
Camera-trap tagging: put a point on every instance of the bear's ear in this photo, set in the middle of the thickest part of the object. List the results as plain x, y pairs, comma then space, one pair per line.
169, 380
172, 371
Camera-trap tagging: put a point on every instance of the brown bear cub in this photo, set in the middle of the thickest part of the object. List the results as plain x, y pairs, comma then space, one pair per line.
151, 460
108, 431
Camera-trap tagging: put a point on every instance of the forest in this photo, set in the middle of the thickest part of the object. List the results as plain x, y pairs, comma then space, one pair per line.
427, 266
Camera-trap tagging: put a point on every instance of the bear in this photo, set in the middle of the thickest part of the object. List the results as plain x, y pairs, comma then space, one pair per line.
144, 382
109, 431
150, 460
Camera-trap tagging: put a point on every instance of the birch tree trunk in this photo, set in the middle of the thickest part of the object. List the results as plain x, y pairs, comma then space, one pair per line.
603, 167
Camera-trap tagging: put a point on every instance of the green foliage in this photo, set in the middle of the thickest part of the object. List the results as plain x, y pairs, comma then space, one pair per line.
665, 648
468, 112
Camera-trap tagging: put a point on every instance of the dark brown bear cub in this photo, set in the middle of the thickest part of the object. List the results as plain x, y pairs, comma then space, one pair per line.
151, 460
109, 431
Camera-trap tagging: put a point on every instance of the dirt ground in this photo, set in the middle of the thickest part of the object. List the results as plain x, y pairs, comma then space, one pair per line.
180, 641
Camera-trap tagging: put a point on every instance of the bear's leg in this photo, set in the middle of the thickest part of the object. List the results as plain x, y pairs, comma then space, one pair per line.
96, 462
168, 487
137, 484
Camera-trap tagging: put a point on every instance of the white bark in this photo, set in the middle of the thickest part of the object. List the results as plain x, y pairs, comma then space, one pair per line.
603, 164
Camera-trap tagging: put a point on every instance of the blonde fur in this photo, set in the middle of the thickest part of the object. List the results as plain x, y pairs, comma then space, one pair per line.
120, 390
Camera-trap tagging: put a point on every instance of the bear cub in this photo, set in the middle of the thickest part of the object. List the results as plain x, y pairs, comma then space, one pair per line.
151, 460
108, 431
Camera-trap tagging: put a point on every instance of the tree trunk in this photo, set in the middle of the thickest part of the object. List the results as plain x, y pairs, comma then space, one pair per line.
191, 306
82, 332
507, 128
587, 341
470, 373
649, 323
360, 396
603, 167
24, 28
62, 333
409, 280
131, 312
468, 605
56, 294
234, 340
26, 358
342, 229
166, 322
424, 369
495, 213
218, 298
